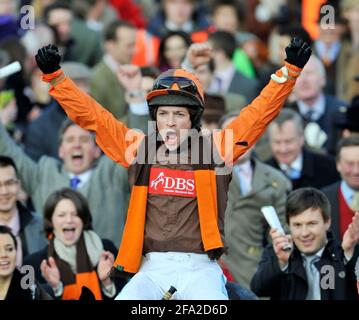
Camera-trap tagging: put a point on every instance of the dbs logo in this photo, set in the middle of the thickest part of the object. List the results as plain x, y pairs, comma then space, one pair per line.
172, 182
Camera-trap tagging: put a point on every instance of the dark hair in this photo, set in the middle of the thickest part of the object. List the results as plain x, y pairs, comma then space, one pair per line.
289, 115
306, 198
7, 230
162, 61
150, 71
7, 162
80, 202
67, 123
230, 3
110, 32
54, 6
225, 41
351, 141
295, 30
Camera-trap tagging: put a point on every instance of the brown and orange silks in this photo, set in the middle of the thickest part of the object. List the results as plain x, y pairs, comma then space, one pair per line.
86, 274
121, 145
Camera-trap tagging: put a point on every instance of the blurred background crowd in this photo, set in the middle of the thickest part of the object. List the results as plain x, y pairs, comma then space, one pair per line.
312, 143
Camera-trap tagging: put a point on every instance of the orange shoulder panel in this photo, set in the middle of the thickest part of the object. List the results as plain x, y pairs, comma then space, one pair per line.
116, 140
253, 120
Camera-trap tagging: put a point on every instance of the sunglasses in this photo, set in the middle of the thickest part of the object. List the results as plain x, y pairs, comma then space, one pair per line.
183, 83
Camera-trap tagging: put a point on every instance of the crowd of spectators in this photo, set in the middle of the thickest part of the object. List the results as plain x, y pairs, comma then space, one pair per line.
312, 145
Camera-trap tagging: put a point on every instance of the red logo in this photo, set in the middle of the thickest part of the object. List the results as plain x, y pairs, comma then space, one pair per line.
172, 182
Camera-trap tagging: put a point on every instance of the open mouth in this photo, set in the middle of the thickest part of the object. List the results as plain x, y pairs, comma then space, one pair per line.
171, 137
77, 156
69, 233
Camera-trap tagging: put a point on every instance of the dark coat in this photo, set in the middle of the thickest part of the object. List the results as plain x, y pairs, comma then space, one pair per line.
271, 281
16, 292
327, 120
31, 231
157, 25
318, 170
42, 135
331, 192
245, 86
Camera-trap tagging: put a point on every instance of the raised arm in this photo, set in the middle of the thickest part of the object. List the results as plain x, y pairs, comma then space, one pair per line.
26, 167
254, 118
116, 140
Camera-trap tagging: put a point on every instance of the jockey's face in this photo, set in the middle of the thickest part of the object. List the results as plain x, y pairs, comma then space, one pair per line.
173, 124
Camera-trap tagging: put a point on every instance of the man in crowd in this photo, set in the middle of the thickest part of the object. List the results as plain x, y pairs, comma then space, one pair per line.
304, 167
344, 194
77, 41
254, 185
318, 267
82, 167
27, 226
226, 77
316, 108
119, 44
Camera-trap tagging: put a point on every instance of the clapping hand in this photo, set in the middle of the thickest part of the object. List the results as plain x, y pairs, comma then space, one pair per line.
50, 272
351, 236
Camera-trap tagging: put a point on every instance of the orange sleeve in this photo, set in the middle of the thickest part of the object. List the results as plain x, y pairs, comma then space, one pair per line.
246, 129
116, 140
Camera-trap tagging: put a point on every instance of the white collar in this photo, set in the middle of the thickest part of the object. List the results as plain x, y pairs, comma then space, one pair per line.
318, 254
14, 224
84, 177
348, 192
245, 166
326, 52
318, 107
111, 63
297, 164
227, 73
187, 26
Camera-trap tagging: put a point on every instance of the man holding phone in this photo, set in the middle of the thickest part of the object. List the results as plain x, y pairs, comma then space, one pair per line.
318, 267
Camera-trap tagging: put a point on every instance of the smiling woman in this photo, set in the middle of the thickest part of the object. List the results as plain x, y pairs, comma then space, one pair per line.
10, 277
76, 257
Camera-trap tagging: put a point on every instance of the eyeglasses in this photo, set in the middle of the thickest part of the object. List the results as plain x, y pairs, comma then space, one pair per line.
182, 82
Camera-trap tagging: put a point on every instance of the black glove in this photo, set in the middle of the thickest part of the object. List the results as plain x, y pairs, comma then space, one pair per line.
48, 59
298, 52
